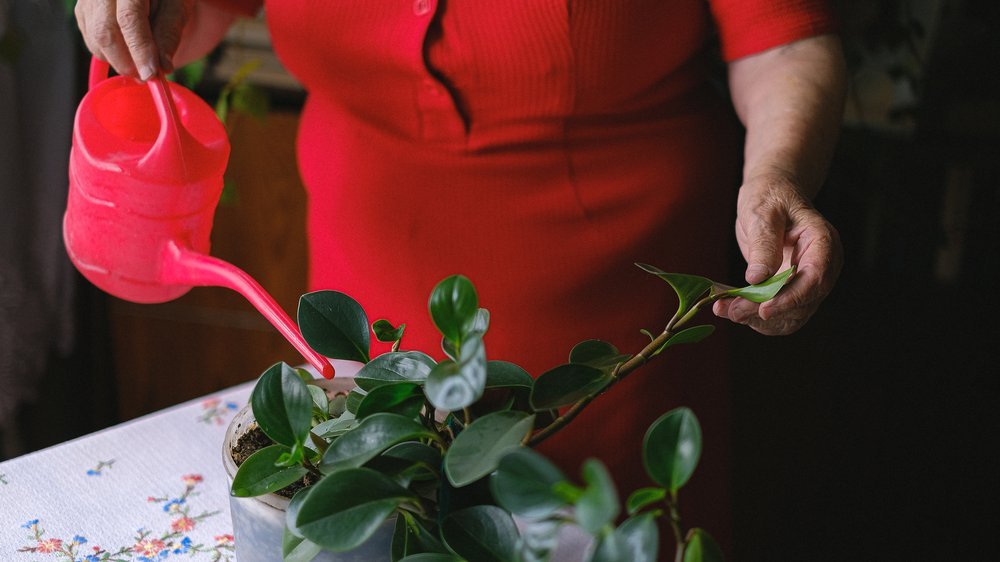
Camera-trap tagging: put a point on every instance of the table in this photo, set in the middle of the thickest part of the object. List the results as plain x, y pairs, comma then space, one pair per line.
149, 489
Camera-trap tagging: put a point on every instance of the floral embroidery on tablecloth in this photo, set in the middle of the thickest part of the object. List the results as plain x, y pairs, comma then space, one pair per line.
214, 410
3, 479
101, 465
146, 546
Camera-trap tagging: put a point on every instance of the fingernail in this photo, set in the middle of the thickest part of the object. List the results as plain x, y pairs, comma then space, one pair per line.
757, 273
146, 72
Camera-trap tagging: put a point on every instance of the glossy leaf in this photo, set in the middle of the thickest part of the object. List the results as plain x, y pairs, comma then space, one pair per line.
566, 384
344, 510
477, 451
417, 453
598, 506
403, 398
764, 291
608, 548
335, 325
258, 475
643, 497
671, 448
432, 557
374, 434
292, 511
452, 386
524, 484
385, 332
483, 533
282, 405
502, 374
354, 398
693, 334
336, 427
297, 549
319, 398
596, 353
701, 547
399, 366
689, 288
639, 538
454, 306
410, 537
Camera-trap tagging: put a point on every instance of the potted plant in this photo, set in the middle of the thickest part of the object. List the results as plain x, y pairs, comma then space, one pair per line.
409, 452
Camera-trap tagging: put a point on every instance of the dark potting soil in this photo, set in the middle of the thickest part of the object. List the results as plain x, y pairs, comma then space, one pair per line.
252, 441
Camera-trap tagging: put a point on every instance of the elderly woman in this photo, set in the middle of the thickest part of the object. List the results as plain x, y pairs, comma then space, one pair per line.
541, 147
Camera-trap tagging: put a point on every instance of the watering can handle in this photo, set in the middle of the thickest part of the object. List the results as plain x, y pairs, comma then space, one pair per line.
173, 140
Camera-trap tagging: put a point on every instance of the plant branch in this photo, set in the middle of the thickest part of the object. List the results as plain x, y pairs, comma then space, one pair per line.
620, 372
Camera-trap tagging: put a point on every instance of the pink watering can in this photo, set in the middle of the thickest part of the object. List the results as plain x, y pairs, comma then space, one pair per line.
145, 176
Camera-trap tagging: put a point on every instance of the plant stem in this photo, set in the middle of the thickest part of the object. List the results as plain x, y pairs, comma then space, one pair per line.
675, 524
311, 468
620, 372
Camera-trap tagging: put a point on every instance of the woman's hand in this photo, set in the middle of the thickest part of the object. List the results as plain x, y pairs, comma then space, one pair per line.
790, 99
137, 37
776, 228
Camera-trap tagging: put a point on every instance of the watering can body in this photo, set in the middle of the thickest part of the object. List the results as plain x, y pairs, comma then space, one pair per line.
137, 183
145, 176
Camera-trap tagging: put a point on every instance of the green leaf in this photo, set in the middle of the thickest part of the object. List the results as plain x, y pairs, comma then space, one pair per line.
596, 353
251, 100
609, 548
689, 288
764, 291
524, 483
191, 74
282, 406
417, 453
701, 547
452, 386
338, 405
598, 506
454, 306
539, 539
399, 366
354, 398
335, 427
483, 533
639, 538
335, 325
502, 374
644, 497
319, 398
432, 557
693, 334
374, 434
258, 475
297, 549
403, 398
292, 511
671, 448
410, 537
344, 510
566, 384
385, 332
477, 451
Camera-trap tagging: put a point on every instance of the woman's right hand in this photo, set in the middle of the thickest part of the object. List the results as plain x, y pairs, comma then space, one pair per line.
137, 37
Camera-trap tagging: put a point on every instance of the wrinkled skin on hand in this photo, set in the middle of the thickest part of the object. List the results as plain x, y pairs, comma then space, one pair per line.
777, 227
137, 37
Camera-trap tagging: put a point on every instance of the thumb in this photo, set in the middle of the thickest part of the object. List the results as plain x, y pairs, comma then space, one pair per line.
766, 236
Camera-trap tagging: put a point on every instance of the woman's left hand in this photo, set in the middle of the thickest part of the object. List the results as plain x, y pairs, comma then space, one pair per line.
777, 227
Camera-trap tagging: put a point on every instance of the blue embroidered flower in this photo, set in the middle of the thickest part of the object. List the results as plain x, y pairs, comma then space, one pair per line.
173, 506
232, 405
79, 540
30, 524
93, 472
88, 558
183, 547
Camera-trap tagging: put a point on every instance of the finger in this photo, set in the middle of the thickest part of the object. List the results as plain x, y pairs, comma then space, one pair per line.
765, 234
133, 19
99, 27
817, 256
168, 26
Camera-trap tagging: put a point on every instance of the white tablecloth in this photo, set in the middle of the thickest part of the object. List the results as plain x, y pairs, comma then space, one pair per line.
149, 489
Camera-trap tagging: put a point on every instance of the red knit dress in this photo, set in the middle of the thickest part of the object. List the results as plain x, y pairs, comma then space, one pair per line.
539, 147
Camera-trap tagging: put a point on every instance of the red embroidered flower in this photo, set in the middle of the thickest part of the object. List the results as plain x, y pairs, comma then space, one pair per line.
49, 545
223, 539
149, 547
210, 403
182, 525
191, 479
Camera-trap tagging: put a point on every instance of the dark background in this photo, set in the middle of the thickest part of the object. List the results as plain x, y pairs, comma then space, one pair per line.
869, 435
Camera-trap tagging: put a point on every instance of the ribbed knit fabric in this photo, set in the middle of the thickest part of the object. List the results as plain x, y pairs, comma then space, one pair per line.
540, 147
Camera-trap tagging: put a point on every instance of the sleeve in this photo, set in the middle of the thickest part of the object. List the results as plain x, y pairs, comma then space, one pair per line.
245, 8
751, 26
